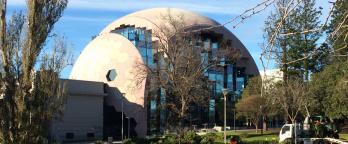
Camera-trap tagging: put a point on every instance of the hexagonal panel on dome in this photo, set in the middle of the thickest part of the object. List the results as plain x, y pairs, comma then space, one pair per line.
111, 75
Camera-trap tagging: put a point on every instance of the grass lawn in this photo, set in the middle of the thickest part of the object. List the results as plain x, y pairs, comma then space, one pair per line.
344, 136
250, 136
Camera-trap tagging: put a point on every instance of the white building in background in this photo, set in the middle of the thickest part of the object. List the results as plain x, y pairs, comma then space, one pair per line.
272, 75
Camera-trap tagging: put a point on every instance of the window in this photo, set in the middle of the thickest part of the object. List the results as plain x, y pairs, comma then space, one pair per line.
69, 135
285, 129
206, 44
214, 45
219, 82
131, 35
240, 83
111, 75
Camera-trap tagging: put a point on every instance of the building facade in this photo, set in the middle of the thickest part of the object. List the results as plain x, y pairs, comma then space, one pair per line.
82, 117
129, 41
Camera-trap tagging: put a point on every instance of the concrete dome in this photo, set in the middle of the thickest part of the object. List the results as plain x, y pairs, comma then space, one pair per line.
152, 19
113, 51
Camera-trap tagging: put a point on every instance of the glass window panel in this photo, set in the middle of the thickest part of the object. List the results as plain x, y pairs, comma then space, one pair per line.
142, 37
219, 82
211, 107
198, 43
125, 32
222, 61
240, 83
206, 73
163, 95
153, 105
212, 77
141, 44
206, 44
214, 45
230, 76
204, 58
131, 36
143, 52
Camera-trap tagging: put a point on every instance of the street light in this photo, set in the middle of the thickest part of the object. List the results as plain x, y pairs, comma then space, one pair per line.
234, 112
123, 95
224, 92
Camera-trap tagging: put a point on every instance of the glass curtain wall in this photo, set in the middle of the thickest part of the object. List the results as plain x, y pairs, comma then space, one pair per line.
142, 40
235, 78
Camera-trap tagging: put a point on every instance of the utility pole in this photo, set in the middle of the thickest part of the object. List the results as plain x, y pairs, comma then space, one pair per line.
234, 112
225, 92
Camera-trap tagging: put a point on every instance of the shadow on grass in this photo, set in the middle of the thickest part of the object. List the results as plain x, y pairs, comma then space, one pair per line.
258, 135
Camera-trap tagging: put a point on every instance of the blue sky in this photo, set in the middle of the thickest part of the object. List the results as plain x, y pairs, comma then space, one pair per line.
85, 18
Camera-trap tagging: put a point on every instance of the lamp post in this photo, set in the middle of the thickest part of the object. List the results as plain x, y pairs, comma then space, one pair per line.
224, 92
123, 95
234, 112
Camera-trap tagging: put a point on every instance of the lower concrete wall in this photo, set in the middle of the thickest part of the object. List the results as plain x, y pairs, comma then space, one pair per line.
82, 117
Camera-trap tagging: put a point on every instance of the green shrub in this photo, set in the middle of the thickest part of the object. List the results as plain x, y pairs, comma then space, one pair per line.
187, 137
169, 139
208, 138
190, 137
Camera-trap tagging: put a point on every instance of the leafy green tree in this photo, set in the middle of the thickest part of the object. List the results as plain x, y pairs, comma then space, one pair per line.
293, 30
303, 43
30, 95
329, 90
338, 30
276, 23
254, 106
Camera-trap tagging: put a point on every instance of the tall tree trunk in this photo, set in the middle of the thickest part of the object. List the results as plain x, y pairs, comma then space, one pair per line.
264, 123
182, 114
306, 61
6, 112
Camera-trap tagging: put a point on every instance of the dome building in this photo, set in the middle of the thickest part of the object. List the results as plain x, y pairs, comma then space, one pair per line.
111, 57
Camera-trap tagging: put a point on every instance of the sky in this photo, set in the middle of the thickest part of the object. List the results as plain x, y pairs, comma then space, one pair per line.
84, 19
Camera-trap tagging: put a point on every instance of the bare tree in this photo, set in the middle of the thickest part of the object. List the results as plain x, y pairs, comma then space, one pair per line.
250, 108
29, 95
180, 67
292, 97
